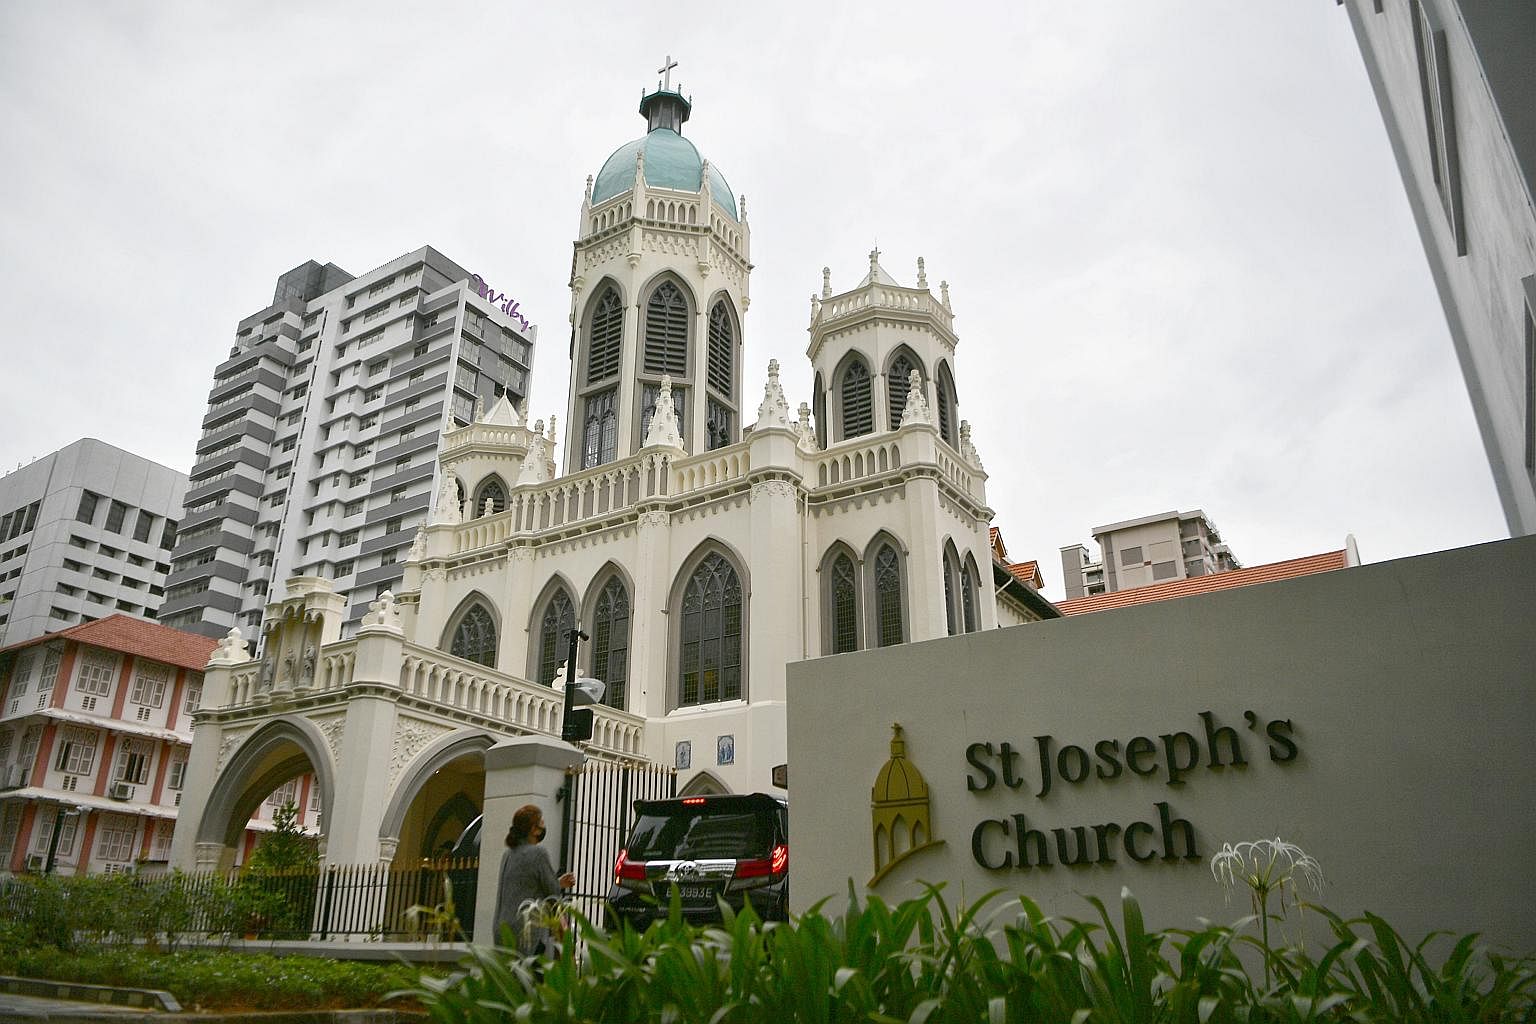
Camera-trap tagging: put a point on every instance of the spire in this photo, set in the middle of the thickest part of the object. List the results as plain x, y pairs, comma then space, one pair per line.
503, 413
874, 262
916, 409
944, 293
534, 462
663, 430
447, 511
826, 282
666, 107
922, 273
774, 411
807, 441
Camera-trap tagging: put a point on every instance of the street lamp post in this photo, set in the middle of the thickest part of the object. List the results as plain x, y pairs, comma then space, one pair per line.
575, 724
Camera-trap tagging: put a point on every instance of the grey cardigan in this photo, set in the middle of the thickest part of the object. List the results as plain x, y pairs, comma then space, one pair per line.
526, 874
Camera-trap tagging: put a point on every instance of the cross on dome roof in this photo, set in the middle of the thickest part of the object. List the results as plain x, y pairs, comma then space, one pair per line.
666, 71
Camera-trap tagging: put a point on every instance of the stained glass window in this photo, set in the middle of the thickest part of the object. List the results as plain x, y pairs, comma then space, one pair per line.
710, 659
888, 629
475, 637
558, 620
610, 641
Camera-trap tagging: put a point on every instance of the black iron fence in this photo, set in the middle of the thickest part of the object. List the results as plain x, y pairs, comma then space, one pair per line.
434, 901
599, 811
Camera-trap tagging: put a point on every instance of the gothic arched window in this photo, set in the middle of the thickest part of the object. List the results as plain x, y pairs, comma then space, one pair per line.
945, 395
843, 603
819, 410
888, 603
666, 331
858, 414
951, 569
491, 489
558, 620
610, 641
968, 594
600, 429
605, 337
898, 382
474, 639
722, 344
709, 661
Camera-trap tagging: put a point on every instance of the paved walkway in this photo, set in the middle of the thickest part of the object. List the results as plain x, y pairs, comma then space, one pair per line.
36, 1008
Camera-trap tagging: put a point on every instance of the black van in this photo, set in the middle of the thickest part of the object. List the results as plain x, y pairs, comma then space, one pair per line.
730, 847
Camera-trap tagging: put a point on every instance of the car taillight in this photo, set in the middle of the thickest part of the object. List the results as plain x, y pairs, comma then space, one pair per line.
766, 869
693, 801
626, 870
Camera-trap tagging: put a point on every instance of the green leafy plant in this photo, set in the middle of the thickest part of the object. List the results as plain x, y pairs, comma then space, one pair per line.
927, 961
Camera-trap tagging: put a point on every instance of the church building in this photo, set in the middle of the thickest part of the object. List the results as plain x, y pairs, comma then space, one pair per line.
701, 538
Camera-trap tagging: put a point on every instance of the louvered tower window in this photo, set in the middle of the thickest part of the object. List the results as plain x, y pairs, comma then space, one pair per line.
858, 416
845, 606
897, 384
887, 597
475, 637
666, 331
610, 641
558, 620
946, 400
709, 661
722, 341
605, 337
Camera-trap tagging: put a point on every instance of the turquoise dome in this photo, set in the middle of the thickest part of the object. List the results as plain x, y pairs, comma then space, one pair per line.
671, 161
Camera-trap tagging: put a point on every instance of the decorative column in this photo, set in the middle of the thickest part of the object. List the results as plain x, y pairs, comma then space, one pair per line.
362, 783
525, 770
203, 761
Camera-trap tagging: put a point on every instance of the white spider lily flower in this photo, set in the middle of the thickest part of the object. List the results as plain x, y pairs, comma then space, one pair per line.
1266, 866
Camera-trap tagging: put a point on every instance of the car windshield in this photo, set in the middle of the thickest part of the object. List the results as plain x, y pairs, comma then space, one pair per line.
701, 833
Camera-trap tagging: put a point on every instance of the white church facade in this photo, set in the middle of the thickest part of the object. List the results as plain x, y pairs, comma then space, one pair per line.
701, 543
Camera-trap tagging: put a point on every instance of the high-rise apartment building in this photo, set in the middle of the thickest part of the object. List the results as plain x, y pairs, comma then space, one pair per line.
1455, 81
85, 531
318, 454
1152, 549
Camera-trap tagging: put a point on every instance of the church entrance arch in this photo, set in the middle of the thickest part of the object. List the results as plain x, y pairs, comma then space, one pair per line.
278, 752
439, 794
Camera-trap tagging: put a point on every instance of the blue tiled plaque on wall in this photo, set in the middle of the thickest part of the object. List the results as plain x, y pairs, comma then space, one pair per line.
682, 757
725, 750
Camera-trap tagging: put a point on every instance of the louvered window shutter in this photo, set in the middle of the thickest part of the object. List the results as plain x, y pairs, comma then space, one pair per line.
666, 331
858, 408
721, 342
606, 338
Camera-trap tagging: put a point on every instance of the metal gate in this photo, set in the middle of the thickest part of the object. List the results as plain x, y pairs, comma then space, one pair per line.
599, 799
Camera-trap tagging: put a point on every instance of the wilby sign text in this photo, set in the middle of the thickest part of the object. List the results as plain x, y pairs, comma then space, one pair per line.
1045, 765
507, 306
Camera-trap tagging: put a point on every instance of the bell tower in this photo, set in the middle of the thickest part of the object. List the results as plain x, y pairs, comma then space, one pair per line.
659, 289
865, 345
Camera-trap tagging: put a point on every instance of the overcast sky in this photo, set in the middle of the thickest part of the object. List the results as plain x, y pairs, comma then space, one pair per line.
1183, 267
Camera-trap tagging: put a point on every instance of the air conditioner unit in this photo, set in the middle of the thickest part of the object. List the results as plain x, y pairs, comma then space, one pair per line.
120, 791
36, 861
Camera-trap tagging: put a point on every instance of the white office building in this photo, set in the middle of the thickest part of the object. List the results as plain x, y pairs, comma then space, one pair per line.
85, 531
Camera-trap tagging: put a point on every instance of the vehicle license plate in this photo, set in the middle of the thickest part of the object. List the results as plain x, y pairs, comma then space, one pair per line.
696, 892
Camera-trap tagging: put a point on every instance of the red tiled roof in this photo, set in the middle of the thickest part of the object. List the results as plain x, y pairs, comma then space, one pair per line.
1205, 584
139, 637
1027, 572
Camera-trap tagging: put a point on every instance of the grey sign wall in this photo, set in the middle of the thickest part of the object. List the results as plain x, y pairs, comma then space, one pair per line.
1380, 717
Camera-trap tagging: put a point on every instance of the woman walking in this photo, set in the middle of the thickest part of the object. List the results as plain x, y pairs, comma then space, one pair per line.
527, 878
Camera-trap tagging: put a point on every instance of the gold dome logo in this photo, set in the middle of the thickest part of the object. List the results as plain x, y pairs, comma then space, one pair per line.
902, 819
